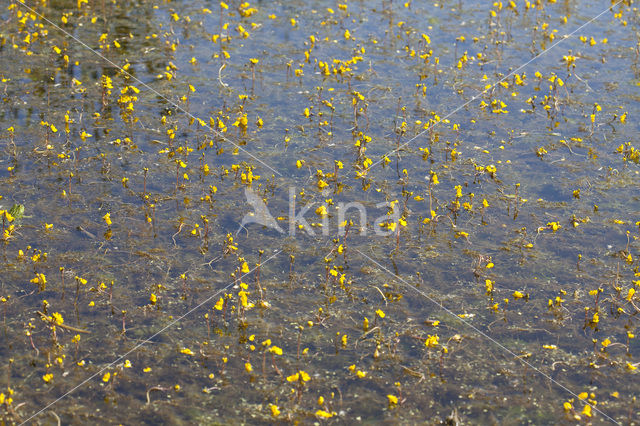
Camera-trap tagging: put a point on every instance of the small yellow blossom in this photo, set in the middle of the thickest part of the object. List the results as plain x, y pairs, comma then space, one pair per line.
275, 411
432, 341
324, 414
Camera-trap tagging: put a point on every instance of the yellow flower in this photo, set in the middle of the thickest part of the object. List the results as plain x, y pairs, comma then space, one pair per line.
275, 350
380, 313
324, 414
106, 377
219, 304
630, 294
488, 285
41, 280
47, 377
434, 178
186, 351
554, 226
321, 211
107, 219
432, 341
297, 376
393, 400
275, 411
57, 318
243, 298
248, 367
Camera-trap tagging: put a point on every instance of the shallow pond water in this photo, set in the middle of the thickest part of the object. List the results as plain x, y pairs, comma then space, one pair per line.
309, 212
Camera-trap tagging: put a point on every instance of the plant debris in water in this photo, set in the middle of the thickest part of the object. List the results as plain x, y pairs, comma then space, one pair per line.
494, 279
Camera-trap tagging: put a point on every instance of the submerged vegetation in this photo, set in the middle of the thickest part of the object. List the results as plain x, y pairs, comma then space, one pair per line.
454, 191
